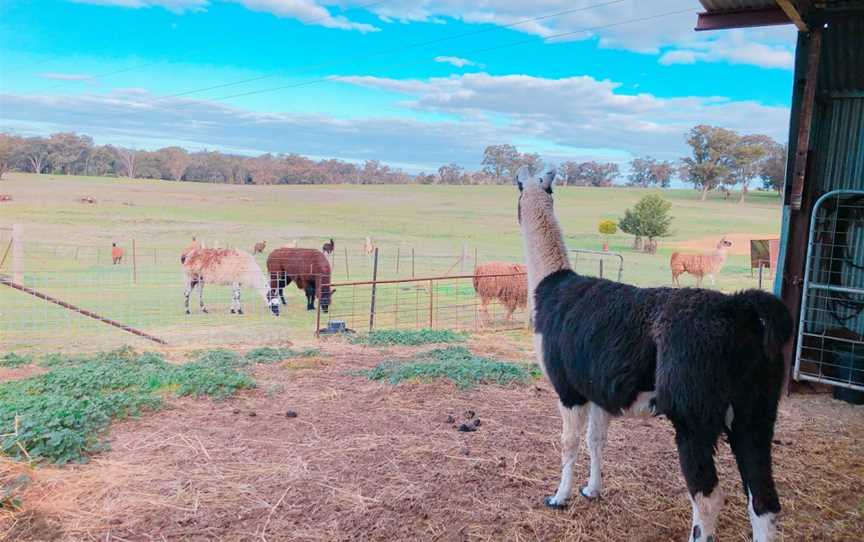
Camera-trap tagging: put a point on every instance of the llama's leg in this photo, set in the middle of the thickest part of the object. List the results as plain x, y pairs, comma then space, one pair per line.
189, 287
698, 281
574, 420
310, 298
598, 426
696, 454
751, 443
711, 277
201, 295
484, 310
235, 299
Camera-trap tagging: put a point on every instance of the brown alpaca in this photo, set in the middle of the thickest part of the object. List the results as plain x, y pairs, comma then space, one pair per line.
498, 281
116, 254
259, 247
305, 267
700, 265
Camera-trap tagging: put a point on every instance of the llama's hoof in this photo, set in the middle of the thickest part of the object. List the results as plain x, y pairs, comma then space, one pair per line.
553, 503
590, 494
310, 308
204, 310
239, 311
232, 311
188, 312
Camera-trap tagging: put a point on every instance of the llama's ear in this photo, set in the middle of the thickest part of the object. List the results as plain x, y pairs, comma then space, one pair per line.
522, 177
546, 181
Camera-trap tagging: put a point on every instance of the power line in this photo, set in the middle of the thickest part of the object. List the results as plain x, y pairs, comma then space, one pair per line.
483, 50
397, 49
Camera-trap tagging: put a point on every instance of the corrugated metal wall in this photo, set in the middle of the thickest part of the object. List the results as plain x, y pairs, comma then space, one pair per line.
837, 155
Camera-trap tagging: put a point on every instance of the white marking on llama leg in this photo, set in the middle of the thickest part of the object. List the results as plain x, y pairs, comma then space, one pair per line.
711, 278
764, 526
235, 299
706, 510
598, 427
574, 420
186, 295
201, 296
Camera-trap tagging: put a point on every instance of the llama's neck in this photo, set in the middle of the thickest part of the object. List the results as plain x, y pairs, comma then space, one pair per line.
545, 250
720, 257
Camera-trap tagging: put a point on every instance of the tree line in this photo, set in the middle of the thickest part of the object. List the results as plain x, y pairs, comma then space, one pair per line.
721, 160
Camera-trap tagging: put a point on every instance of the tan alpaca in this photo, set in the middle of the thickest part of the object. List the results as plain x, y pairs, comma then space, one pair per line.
224, 266
700, 265
502, 282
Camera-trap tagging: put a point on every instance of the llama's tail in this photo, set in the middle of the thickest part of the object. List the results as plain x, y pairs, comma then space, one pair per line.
775, 319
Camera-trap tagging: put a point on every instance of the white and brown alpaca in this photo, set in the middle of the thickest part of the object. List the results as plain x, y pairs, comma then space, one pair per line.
259, 247
700, 265
224, 266
503, 282
611, 349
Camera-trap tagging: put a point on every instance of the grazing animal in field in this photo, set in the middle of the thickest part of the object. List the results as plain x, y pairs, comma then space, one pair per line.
700, 265
259, 247
369, 247
116, 254
504, 282
224, 266
86, 199
711, 363
307, 268
329, 247
5, 197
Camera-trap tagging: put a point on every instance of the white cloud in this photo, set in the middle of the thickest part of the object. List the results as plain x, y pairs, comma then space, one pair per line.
736, 48
59, 76
456, 61
568, 118
308, 11
629, 25
175, 6
581, 112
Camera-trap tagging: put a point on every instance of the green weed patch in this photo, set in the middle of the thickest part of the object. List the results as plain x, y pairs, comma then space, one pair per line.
407, 337
454, 363
14, 360
61, 416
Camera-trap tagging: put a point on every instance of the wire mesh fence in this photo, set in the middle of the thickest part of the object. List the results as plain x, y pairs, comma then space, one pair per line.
144, 290
448, 302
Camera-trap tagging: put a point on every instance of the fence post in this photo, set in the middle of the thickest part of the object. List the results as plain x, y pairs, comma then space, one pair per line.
412, 263
374, 291
761, 266
462, 258
134, 264
601, 267
17, 253
347, 271
397, 261
476, 258
431, 297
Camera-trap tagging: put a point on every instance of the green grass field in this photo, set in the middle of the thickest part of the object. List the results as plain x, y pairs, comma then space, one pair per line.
67, 248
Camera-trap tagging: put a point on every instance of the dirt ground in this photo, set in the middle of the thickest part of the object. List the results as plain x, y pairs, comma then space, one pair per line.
740, 243
369, 461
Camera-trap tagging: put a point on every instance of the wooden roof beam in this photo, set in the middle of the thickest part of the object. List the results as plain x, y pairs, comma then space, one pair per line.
792, 13
742, 19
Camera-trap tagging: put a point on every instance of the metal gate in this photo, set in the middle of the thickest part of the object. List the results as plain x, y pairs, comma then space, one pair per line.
831, 331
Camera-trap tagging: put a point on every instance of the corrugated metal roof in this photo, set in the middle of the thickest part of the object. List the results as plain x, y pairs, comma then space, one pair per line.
736, 5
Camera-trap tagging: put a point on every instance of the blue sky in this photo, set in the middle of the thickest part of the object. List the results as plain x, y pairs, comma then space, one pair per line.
412, 83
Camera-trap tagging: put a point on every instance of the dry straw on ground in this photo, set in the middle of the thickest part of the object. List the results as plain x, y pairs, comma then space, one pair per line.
368, 461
